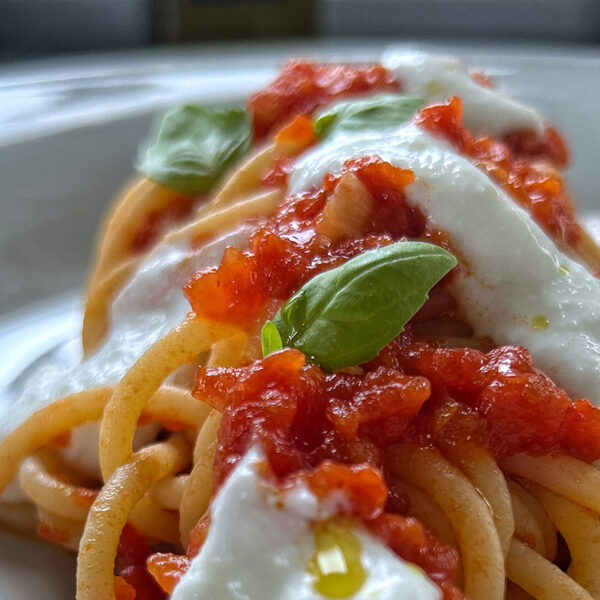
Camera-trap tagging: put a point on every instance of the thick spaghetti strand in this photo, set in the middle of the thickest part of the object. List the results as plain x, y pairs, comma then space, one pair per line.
527, 529
565, 475
167, 492
140, 199
246, 177
535, 507
485, 474
260, 204
61, 531
539, 577
581, 529
483, 561
198, 488
110, 511
97, 305
423, 507
60, 417
179, 347
155, 522
50, 493
47, 424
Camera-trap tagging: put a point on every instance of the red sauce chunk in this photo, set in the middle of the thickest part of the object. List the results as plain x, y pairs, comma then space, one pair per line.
540, 190
502, 399
131, 574
167, 568
302, 87
288, 250
330, 430
334, 430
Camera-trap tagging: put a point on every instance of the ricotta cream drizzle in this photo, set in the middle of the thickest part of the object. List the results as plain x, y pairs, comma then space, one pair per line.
261, 540
436, 78
514, 275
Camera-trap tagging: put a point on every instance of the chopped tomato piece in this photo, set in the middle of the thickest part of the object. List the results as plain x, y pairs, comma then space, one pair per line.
362, 485
123, 591
409, 539
227, 293
298, 135
167, 569
130, 565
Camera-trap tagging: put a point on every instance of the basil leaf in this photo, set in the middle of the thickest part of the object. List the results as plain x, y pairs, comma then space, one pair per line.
380, 111
345, 316
270, 339
194, 146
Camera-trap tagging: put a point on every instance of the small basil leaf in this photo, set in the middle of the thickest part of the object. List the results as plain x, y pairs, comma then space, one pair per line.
380, 111
194, 146
345, 316
270, 339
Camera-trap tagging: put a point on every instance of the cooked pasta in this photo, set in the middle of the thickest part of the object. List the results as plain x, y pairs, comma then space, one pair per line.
358, 399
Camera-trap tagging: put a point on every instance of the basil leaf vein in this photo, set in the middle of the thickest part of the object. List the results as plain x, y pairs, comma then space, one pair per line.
194, 146
379, 111
345, 316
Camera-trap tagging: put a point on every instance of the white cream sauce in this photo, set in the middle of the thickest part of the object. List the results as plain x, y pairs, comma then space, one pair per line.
261, 540
515, 274
436, 78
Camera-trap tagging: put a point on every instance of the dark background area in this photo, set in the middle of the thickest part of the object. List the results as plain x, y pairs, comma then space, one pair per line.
30, 28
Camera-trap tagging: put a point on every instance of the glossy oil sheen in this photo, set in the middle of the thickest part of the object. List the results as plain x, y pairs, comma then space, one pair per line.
336, 564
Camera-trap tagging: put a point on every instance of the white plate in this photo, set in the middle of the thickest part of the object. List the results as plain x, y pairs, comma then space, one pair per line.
69, 130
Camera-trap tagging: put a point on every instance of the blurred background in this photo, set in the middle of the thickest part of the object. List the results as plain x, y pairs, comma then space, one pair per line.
42, 27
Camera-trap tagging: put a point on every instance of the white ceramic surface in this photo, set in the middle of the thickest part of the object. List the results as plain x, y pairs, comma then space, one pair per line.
69, 129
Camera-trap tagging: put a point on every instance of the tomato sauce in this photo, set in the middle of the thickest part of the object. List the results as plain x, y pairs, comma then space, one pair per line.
131, 575
302, 87
334, 430
499, 399
167, 568
287, 251
540, 191
331, 431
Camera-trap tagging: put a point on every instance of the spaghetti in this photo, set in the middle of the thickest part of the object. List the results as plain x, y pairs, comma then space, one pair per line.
451, 451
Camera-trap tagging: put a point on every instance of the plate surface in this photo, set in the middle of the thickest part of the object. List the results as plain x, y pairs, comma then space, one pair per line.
69, 130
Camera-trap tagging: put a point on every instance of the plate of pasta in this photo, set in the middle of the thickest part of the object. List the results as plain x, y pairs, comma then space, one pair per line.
341, 340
